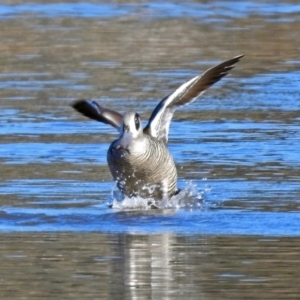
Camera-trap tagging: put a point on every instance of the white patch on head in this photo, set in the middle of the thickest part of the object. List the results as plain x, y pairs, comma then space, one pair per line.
129, 131
129, 126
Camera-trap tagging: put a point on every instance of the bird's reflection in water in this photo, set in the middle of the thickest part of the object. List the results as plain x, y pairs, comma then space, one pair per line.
154, 265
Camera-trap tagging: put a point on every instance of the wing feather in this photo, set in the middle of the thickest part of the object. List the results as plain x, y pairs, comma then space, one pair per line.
160, 119
93, 110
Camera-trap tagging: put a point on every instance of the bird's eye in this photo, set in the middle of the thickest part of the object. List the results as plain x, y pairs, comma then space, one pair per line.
137, 121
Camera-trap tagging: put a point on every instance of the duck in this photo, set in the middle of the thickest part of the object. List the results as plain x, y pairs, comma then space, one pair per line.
139, 159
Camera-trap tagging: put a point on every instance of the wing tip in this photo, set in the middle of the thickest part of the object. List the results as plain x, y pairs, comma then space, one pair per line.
236, 59
230, 64
79, 103
239, 56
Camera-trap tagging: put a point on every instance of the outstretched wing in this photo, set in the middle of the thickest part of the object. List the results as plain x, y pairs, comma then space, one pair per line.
159, 122
93, 110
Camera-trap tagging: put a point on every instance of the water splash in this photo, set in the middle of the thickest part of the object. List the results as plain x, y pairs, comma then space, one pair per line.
189, 197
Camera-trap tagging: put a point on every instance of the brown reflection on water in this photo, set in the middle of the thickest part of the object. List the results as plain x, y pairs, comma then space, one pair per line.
166, 266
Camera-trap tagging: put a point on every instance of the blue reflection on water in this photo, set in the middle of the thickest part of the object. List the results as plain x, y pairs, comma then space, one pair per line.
66, 205
84, 10
227, 9
181, 222
248, 143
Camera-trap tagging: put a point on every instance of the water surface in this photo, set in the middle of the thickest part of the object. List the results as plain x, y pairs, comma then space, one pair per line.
236, 149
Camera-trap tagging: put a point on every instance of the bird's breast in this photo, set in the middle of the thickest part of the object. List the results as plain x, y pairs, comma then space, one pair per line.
142, 165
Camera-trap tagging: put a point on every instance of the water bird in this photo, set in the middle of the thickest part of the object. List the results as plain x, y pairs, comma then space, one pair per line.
139, 160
